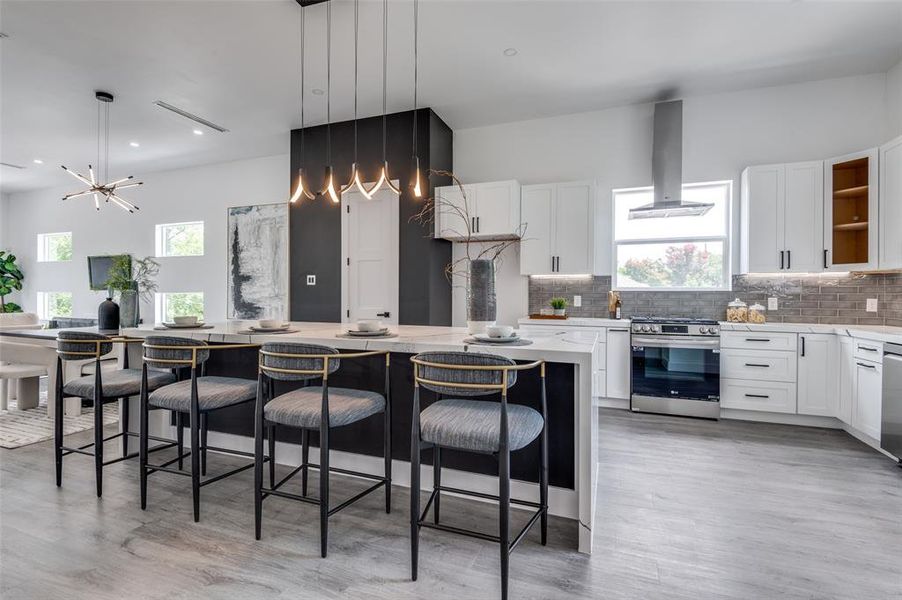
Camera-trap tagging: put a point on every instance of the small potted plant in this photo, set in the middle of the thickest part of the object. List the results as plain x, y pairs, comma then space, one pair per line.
133, 278
560, 307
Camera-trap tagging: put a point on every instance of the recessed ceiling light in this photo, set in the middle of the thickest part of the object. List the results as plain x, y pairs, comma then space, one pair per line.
38, 161
318, 92
134, 144
510, 52
198, 132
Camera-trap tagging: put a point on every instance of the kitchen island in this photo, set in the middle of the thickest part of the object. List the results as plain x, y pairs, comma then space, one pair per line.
571, 423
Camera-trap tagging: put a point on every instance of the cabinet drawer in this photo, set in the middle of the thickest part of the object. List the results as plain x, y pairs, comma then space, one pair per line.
770, 396
758, 365
869, 350
758, 340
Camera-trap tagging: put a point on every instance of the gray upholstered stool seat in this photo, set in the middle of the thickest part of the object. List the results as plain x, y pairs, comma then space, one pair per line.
212, 393
303, 407
476, 425
115, 384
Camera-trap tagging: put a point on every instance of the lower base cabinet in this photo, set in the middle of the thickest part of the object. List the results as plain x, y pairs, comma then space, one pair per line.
769, 396
818, 377
866, 403
618, 363
847, 383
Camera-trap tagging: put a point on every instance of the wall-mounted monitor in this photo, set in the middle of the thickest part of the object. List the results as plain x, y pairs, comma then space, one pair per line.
99, 269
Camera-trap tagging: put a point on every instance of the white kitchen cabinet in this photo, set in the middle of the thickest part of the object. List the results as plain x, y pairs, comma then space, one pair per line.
866, 403
847, 383
493, 209
560, 228
891, 204
818, 379
758, 365
782, 218
618, 366
767, 396
851, 212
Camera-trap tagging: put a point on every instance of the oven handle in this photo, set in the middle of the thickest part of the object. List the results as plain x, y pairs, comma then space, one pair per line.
688, 343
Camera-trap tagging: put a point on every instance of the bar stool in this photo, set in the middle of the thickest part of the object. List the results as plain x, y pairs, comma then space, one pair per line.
102, 389
481, 426
303, 408
197, 396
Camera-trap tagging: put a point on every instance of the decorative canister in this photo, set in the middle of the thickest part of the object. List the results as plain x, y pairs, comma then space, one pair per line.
108, 316
737, 311
757, 314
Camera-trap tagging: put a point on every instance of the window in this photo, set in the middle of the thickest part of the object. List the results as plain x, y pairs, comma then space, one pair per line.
180, 239
54, 304
54, 247
179, 304
680, 252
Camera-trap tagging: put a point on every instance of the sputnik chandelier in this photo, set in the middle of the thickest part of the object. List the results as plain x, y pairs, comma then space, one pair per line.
108, 190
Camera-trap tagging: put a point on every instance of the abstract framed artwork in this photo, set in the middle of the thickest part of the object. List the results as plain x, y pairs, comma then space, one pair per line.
258, 262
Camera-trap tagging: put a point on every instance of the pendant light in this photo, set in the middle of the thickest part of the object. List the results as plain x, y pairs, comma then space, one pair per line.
354, 179
330, 175
417, 190
384, 176
95, 188
300, 188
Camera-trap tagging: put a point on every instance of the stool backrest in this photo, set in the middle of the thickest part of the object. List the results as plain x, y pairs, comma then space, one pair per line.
168, 355
82, 345
453, 370
288, 361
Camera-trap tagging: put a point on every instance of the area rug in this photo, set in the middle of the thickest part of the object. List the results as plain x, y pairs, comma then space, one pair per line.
21, 428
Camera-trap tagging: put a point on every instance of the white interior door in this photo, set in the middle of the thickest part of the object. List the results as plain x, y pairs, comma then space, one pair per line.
370, 255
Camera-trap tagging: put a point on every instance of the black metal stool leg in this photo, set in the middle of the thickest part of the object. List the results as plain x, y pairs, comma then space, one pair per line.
203, 443
58, 415
436, 481
258, 460
98, 430
271, 438
180, 438
504, 494
543, 485
124, 402
415, 486
305, 459
386, 432
195, 454
324, 485
142, 438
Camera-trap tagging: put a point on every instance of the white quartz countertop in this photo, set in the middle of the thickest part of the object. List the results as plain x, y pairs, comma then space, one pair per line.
878, 333
576, 322
554, 346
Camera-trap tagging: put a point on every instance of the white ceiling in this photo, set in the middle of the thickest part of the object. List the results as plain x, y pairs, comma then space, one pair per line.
236, 63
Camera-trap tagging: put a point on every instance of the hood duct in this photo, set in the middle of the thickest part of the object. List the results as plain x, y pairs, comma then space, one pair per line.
667, 168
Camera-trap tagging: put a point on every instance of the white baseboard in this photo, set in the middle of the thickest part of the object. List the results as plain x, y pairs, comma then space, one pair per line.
780, 418
611, 402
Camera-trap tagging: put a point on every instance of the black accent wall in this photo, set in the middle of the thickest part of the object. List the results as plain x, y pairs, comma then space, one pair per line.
315, 225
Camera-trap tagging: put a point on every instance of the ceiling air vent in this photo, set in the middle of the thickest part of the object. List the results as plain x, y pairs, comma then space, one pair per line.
193, 117
11, 166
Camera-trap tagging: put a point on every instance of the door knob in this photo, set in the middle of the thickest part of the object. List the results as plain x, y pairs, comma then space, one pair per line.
385, 314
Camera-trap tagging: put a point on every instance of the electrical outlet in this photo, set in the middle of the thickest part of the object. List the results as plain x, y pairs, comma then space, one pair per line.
772, 303
577, 301
311, 279
871, 305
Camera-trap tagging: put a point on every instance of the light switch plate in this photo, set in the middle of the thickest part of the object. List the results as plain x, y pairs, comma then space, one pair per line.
311, 279
772, 303
577, 301
871, 305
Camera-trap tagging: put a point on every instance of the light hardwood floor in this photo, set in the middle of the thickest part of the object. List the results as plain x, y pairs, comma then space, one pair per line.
686, 509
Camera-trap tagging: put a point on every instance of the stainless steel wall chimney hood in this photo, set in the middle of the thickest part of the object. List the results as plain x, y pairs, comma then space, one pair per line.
667, 168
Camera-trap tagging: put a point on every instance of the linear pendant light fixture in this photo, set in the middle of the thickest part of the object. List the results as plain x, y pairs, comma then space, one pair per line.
300, 188
330, 174
384, 176
417, 190
96, 189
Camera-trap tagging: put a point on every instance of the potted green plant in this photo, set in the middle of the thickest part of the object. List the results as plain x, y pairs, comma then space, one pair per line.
10, 281
560, 307
133, 279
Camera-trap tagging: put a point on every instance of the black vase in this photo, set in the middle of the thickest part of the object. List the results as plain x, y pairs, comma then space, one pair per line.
108, 316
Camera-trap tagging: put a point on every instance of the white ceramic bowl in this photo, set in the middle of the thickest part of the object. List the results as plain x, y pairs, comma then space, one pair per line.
499, 331
270, 323
185, 320
369, 325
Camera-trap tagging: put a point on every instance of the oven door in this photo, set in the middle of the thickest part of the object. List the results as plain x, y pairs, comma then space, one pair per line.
678, 368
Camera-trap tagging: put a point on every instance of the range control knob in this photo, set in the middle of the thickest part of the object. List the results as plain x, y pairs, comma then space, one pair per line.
703, 330
656, 328
646, 328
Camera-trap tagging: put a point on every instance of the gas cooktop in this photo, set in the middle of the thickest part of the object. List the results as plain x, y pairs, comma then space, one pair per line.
674, 326
683, 320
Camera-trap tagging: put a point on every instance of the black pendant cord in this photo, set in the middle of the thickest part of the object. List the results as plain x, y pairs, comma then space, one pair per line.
384, 74
99, 108
356, 30
303, 48
329, 84
106, 143
416, 20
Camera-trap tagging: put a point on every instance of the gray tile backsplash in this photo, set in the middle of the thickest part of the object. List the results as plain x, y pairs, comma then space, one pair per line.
820, 298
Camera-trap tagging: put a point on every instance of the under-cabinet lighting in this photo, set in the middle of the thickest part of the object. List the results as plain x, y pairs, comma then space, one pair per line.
798, 275
562, 276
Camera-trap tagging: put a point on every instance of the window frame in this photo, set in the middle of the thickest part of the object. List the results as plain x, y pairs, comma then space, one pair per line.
43, 240
159, 304
42, 302
159, 239
726, 239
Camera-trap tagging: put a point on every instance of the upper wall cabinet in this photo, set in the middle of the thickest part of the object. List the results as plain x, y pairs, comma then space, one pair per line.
491, 211
782, 218
891, 205
560, 229
851, 211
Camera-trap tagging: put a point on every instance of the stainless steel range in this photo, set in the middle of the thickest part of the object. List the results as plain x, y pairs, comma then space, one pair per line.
676, 366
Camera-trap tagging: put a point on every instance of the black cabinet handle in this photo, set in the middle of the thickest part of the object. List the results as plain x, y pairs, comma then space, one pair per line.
757, 365
757, 339
866, 366
477, 224
803, 345
385, 314
473, 224
825, 258
781, 259
867, 348
789, 259
756, 396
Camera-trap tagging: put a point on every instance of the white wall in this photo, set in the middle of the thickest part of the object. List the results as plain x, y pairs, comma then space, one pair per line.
722, 134
195, 194
894, 99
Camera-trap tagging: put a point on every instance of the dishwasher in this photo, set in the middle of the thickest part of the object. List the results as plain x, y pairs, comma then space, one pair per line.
891, 415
